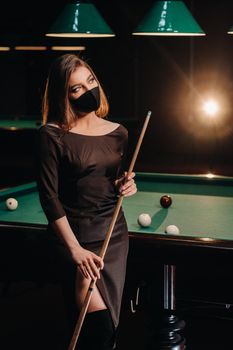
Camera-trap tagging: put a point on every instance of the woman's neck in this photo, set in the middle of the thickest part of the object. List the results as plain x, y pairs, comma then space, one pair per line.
87, 122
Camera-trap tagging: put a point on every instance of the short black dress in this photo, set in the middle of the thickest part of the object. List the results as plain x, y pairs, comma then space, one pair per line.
76, 175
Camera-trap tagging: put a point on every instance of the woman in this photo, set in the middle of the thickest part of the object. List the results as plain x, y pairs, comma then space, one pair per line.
80, 176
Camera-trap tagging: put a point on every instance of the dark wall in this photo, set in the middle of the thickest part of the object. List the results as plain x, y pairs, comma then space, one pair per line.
168, 76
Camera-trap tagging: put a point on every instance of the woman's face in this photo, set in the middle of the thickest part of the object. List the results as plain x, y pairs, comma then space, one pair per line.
81, 80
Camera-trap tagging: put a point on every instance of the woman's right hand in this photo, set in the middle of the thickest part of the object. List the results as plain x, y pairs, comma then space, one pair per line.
88, 262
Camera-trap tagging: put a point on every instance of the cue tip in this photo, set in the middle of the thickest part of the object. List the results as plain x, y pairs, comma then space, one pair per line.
149, 114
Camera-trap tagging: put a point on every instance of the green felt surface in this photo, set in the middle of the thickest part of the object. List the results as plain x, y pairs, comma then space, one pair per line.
201, 207
9, 124
29, 209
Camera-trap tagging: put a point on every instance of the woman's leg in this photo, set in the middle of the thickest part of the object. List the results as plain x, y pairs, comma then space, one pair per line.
81, 288
98, 331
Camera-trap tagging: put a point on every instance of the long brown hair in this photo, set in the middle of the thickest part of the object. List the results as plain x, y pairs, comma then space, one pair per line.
56, 105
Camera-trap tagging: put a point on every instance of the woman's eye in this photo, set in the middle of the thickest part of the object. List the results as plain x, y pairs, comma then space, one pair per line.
75, 90
91, 80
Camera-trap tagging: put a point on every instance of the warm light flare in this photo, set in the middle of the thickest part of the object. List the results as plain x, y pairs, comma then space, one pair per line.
210, 175
211, 107
207, 107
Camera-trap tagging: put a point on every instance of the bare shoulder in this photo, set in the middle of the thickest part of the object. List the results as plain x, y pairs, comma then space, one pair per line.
109, 124
117, 127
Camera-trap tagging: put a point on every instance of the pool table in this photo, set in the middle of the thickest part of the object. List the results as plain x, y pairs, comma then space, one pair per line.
201, 208
19, 124
18, 135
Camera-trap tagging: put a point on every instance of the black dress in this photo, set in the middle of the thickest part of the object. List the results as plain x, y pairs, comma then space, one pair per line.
76, 175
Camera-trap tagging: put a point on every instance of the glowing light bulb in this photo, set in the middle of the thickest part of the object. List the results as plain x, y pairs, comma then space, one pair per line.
210, 107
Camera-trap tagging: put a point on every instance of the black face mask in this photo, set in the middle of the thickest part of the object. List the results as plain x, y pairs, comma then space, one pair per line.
87, 102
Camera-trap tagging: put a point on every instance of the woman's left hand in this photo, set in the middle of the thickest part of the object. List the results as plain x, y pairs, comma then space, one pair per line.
126, 184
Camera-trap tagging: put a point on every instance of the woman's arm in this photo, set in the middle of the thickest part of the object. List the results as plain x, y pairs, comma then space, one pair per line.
48, 160
88, 262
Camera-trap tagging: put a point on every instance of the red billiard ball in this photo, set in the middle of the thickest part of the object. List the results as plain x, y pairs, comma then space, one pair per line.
165, 201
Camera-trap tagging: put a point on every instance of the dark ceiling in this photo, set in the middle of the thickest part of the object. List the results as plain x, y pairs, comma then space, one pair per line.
32, 19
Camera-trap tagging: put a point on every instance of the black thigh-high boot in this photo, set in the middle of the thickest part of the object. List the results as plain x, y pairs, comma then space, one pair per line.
98, 332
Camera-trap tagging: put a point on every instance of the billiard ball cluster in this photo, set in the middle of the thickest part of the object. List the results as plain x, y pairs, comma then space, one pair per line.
144, 219
11, 203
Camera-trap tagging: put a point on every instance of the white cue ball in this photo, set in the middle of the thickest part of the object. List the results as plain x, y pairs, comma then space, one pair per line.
172, 230
144, 220
11, 203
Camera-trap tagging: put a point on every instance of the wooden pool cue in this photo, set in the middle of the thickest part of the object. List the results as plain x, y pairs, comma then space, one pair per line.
87, 299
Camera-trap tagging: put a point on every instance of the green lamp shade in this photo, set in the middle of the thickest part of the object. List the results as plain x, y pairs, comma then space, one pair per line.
80, 19
230, 31
169, 18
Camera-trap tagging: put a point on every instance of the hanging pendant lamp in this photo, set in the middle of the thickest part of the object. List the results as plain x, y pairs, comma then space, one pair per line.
170, 18
78, 20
